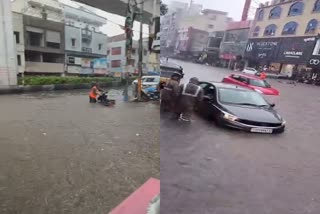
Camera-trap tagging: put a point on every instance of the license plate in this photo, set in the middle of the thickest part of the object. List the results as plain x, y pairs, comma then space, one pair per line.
261, 130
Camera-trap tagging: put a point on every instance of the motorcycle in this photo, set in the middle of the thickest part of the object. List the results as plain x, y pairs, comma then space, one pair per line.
103, 99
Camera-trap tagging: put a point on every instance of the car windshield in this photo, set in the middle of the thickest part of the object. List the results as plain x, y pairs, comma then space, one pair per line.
260, 83
241, 97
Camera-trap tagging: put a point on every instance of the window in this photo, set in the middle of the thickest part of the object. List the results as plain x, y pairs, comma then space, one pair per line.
100, 47
19, 60
210, 26
275, 13
116, 51
133, 51
256, 31
73, 42
260, 15
240, 78
296, 9
290, 28
17, 35
35, 39
312, 26
259, 83
53, 45
270, 30
214, 17
317, 6
115, 63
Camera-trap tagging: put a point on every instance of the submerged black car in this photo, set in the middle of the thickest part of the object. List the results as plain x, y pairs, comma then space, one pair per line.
240, 108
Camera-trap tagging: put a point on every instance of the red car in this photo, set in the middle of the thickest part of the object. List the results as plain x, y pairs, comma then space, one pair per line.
251, 82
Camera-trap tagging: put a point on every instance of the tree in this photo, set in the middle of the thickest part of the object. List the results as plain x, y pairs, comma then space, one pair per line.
163, 8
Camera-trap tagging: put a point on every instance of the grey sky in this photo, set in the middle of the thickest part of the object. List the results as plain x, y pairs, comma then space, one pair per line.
233, 7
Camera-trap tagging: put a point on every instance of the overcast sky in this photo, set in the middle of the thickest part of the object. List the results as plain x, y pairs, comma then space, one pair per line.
233, 7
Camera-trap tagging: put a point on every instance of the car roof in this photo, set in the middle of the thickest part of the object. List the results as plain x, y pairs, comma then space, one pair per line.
151, 76
249, 68
170, 65
226, 85
247, 75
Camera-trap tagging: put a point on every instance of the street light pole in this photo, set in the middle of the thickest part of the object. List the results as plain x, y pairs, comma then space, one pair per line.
140, 53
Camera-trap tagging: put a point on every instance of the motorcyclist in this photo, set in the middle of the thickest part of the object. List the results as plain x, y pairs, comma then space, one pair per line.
170, 93
94, 93
191, 93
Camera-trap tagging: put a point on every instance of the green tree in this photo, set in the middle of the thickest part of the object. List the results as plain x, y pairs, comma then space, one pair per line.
163, 8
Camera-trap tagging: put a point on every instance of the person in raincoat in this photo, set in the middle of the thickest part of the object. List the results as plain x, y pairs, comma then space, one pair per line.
170, 94
191, 93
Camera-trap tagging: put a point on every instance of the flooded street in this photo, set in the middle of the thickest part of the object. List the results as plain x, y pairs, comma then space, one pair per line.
61, 154
210, 170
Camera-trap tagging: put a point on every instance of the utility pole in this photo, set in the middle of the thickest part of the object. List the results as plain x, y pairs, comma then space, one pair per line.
140, 52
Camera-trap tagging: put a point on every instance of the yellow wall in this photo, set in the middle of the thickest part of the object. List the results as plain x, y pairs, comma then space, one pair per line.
302, 20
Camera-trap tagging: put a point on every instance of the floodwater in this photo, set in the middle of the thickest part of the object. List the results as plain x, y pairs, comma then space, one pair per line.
61, 154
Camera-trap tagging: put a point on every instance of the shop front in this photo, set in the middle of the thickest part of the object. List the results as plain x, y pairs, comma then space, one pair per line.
281, 55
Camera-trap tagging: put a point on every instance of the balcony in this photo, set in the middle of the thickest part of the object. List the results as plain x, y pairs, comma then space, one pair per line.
86, 50
86, 35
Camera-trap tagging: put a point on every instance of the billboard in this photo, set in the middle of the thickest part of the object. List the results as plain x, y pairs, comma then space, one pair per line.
262, 49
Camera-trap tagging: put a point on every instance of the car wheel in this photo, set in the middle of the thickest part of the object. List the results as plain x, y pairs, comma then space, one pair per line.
218, 121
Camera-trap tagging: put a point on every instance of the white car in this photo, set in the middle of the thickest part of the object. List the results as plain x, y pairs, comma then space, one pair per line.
148, 81
248, 70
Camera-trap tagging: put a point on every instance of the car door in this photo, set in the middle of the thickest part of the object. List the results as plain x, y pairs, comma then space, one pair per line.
201, 106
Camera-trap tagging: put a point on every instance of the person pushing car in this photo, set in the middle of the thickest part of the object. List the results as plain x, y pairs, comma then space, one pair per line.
170, 93
191, 93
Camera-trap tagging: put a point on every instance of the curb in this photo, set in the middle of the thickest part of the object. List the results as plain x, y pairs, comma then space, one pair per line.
56, 87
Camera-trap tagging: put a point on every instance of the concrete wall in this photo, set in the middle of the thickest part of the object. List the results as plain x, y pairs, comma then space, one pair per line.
72, 32
8, 62
99, 38
302, 20
18, 27
43, 67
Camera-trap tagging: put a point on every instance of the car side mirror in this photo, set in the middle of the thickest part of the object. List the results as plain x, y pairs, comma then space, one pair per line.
272, 105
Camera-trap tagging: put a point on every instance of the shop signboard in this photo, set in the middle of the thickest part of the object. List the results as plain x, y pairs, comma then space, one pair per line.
86, 70
86, 63
74, 69
262, 50
296, 50
100, 66
314, 60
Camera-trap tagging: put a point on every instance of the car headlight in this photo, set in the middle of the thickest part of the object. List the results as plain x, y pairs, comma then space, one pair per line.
257, 90
284, 122
230, 117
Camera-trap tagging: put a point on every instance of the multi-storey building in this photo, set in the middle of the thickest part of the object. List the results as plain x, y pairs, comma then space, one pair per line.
208, 20
43, 30
84, 41
234, 43
117, 54
283, 34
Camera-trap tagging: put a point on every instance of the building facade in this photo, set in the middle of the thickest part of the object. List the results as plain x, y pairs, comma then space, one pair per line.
43, 35
284, 34
234, 43
117, 55
18, 31
84, 42
208, 20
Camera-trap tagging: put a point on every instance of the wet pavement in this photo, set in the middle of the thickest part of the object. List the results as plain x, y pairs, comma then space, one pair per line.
210, 170
61, 154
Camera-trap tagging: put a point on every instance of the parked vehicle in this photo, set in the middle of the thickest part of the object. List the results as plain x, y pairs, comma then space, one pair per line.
251, 82
249, 70
167, 69
148, 81
240, 108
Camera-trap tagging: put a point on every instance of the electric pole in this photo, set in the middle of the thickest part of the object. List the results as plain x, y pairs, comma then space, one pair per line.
140, 52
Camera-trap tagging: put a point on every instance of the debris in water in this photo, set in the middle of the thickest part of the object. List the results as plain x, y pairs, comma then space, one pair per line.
44, 133
137, 134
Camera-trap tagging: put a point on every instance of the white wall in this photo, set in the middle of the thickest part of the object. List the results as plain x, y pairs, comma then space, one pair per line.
8, 66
